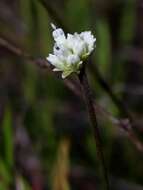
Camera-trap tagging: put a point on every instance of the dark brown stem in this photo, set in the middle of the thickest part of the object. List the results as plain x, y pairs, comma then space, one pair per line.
90, 107
124, 124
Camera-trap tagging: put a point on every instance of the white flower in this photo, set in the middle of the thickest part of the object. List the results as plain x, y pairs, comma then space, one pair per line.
89, 40
70, 52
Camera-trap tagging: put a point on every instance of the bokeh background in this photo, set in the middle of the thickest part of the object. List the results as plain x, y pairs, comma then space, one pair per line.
45, 136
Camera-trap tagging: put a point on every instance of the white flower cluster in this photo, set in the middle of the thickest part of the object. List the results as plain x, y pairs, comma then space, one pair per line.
70, 52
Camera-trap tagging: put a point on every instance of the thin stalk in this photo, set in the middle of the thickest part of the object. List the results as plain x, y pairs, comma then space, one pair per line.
91, 111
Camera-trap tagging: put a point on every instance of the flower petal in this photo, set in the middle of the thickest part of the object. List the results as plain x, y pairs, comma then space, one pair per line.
55, 61
70, 52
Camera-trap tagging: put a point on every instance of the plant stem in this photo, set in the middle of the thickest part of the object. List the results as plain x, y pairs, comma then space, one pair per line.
91, 111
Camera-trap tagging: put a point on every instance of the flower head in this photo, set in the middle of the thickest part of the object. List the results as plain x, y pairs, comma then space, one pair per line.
70, 51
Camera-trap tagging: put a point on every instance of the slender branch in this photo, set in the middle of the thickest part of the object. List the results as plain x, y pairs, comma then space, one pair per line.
11, 47
21, 53
56, 17
90, 107
123, 124
120, 104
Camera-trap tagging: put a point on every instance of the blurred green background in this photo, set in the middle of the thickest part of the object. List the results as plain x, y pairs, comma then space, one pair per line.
45, 137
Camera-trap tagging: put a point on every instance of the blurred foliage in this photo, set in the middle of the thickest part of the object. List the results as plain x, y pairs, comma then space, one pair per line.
45, 138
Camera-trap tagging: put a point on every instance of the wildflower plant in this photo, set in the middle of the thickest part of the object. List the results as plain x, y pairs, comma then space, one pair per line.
70, 52
69, 55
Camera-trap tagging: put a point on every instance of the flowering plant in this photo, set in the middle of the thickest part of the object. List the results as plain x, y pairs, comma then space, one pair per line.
70, 51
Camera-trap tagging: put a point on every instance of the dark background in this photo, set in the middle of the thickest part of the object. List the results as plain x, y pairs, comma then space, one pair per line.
45, 136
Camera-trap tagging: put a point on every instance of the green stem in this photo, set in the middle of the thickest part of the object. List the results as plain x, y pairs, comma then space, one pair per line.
90, 108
